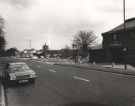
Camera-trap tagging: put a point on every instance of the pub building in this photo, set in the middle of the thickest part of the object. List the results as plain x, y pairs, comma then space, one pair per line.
114, 43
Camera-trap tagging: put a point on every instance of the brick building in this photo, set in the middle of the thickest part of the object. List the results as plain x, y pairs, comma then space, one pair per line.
114, 42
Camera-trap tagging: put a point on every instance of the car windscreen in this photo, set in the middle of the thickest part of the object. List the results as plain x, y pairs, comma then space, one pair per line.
14, 68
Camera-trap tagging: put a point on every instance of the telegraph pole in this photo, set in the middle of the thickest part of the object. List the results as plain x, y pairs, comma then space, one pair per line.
125, 41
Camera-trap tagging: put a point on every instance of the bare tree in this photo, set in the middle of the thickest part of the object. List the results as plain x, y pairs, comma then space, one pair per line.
83, 39
66, 51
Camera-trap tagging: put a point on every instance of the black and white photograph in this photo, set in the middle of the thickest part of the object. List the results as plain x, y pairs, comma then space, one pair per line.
67, 53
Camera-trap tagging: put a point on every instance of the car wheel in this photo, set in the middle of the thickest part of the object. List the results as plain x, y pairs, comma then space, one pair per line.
32, 80
5, 83
8, 83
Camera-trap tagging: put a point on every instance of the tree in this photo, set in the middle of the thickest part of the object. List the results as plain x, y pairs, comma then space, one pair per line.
66, 52
83, 39
2, 45
11, 52
2, 39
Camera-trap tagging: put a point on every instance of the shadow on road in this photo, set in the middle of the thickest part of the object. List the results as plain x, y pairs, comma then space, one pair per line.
17, 85
86, 104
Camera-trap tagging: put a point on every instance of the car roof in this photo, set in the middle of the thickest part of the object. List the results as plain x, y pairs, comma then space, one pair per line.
17, 63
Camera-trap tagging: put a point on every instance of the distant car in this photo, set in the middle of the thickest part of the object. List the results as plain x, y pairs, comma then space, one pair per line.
19, 72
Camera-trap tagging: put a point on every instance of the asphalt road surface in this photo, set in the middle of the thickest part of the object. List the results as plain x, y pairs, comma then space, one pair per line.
70, 86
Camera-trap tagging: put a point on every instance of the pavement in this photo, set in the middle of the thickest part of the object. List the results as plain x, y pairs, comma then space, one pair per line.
2, 95
106, 67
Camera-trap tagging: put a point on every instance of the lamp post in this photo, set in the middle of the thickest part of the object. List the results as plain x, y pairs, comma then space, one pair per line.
124, 31
75, 50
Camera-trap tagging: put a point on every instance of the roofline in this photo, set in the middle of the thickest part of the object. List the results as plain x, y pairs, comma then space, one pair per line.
116, 31
130, 19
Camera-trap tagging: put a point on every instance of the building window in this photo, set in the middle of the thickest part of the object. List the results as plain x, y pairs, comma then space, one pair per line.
132, 35
114, 37
132, 54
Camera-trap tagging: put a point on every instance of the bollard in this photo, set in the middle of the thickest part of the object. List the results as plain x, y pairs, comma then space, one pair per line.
94, 63
113, 64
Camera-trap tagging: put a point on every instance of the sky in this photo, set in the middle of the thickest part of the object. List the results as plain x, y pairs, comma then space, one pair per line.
56, 22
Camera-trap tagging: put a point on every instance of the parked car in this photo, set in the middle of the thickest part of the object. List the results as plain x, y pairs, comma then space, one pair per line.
19, 72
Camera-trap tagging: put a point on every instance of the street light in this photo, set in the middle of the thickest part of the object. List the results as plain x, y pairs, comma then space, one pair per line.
125, 41
75, 49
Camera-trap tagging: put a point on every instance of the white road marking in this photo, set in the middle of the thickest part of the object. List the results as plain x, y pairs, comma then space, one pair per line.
52, 71
38, 66
81, 79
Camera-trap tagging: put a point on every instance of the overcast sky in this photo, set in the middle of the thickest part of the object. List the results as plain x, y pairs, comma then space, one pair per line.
56, 21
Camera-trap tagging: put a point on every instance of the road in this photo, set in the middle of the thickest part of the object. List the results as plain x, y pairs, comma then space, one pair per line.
69, 86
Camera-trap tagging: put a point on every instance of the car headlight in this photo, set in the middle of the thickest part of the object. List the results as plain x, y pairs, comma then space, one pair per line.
13, 77
32, 75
